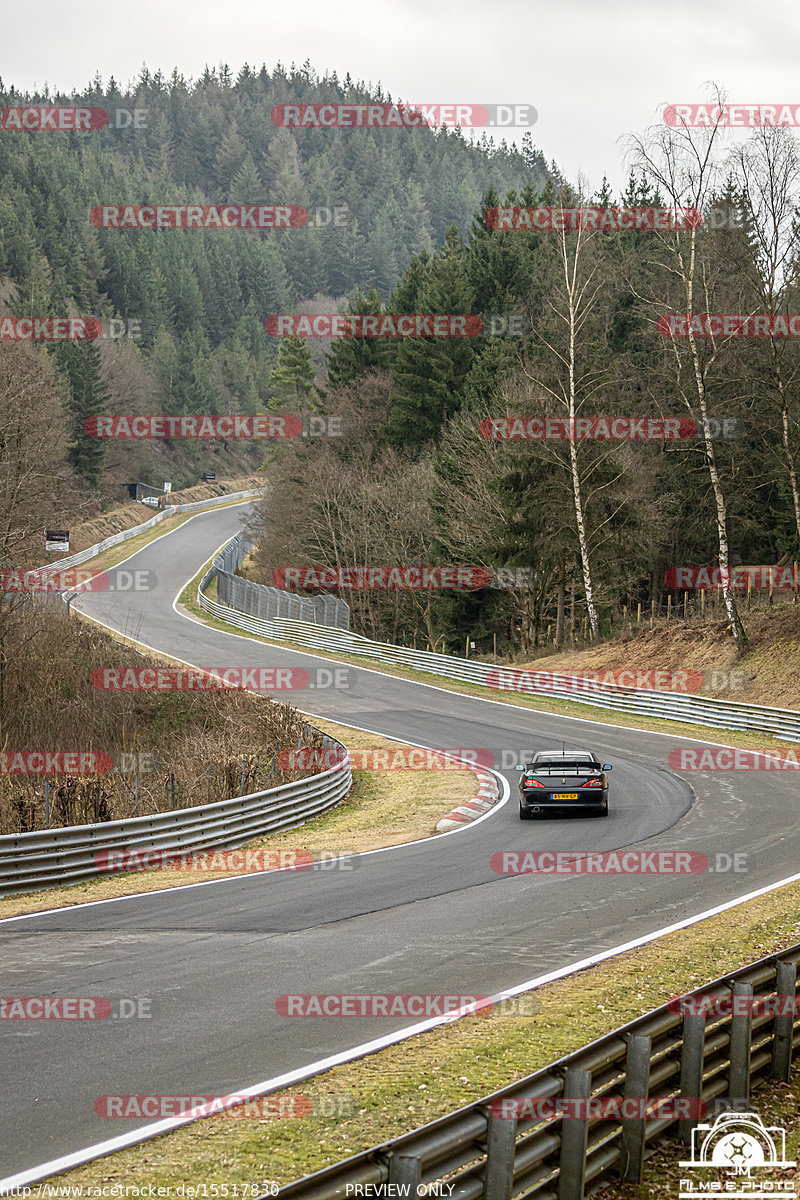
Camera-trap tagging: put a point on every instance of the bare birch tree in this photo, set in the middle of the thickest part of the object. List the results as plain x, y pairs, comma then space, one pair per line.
684, 166
564, 368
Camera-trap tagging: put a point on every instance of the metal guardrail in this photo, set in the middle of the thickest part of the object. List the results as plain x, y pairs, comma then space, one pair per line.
116, 538
691, 709
49, 858
664, 1057
266, 603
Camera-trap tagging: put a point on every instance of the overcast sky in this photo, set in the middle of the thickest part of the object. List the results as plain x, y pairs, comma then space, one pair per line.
595, 70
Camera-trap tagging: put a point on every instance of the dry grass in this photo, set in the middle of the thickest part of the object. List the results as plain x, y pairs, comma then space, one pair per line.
770, 664
411, 804
202, 737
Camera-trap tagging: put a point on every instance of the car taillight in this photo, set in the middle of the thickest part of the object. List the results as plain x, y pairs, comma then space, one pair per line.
593, 783
533, 783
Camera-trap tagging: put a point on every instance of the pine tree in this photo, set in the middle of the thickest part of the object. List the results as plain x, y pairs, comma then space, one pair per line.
430, 372
292, 381
87, 397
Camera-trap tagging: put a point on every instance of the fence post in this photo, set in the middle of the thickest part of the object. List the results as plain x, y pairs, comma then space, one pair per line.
47, 803
499, 1173
136, 791
572, 1164
637, 1086
692, 1050
244, 768
405, 1169
172, 789
741, 1037
783, 1029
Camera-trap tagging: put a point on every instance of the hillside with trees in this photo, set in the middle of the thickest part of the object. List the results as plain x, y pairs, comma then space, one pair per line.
596, 523
201, 296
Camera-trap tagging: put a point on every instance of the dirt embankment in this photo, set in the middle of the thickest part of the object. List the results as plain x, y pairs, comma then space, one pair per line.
88, 533
767, 673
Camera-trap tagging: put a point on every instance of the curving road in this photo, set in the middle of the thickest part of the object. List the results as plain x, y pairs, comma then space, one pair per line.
427, 917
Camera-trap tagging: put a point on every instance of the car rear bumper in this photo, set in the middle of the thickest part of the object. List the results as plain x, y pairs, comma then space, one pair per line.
544, 799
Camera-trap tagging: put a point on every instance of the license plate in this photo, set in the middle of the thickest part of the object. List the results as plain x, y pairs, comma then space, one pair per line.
565, 795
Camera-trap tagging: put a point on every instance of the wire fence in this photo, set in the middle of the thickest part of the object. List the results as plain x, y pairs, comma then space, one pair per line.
266, 603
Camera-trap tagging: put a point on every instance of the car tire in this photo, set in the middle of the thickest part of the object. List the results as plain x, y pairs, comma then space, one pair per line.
524, 815
601, 812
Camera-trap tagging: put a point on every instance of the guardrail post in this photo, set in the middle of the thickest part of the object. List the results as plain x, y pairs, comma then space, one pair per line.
499, 1176
405, 1169
572, 1164
741, 1039
694, 1038
783, 1028
637, 1086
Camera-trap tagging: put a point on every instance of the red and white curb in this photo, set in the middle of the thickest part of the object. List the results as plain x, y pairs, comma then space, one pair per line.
470, 810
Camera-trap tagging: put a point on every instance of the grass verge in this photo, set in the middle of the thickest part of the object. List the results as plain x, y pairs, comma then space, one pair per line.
431, 1074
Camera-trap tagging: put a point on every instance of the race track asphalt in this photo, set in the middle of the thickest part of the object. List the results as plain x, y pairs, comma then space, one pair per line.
431, 917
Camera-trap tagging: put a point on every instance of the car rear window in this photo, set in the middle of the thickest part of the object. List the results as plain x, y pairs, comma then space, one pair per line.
564, 766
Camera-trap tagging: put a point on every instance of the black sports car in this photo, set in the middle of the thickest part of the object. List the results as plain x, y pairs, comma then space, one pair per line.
561, 779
